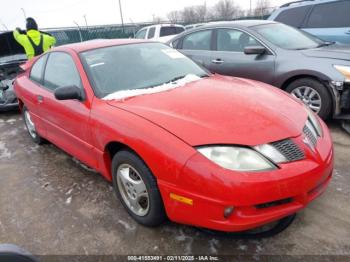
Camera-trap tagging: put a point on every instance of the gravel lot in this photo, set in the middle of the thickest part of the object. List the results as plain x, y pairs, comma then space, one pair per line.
51, 204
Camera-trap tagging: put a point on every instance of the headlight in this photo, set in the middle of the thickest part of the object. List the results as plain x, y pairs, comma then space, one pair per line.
236, 158
271, 152
314, 121
344, 70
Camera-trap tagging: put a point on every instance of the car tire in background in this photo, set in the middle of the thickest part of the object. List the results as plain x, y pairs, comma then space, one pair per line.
31, 126
312, 93
137, 189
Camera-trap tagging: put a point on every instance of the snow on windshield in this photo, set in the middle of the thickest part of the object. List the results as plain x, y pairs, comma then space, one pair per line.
119, 95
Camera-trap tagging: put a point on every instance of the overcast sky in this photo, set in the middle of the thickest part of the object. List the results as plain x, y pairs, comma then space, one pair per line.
59, 13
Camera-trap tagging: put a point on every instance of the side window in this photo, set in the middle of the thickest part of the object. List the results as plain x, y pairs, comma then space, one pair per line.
234, 40
293, 16
175, 44
151, 32
141, 34
60, 71
200, 40
330, 15
37, 69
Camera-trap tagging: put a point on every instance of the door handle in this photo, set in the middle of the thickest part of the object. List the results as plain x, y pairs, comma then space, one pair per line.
40, 99
347, 32
217, 61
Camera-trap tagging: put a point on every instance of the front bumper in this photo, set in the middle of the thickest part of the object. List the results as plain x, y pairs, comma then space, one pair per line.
341, 98
9, 107
257, 198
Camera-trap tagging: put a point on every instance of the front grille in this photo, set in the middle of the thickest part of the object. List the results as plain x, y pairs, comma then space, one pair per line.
289, 150
310, 135
274, 203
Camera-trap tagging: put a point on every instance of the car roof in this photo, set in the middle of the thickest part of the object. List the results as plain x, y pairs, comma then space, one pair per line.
305, 2
98, 43
238, 23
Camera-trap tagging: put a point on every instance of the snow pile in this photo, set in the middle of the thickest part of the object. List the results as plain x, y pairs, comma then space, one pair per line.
119, 95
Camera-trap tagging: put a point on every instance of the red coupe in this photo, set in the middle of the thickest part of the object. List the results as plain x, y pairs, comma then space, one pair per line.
216, 152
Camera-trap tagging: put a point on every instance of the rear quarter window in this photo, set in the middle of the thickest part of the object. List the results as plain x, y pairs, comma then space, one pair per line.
170, 30
330, 15
294, 16
36, 73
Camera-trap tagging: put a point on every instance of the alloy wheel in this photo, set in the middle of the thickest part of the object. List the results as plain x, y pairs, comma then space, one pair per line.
309, 97
133, 190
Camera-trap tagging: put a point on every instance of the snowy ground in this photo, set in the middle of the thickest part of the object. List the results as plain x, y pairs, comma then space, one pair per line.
50, 204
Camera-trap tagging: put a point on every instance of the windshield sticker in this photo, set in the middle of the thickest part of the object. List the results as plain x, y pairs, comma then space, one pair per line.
173, 53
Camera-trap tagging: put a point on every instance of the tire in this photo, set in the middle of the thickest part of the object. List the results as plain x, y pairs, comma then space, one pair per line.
31, 129
321, 92
258, 233
154, 214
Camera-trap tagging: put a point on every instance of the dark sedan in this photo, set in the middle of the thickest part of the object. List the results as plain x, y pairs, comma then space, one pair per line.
314, 71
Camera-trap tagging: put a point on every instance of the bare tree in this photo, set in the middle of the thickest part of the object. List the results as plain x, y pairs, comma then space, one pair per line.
262, 8
226, 10
174, 16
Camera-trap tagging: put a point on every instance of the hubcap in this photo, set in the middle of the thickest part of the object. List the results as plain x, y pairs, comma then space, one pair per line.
309, 97
133, 190
29, 124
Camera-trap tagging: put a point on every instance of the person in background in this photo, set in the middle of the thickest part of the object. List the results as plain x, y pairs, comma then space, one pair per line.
33, 41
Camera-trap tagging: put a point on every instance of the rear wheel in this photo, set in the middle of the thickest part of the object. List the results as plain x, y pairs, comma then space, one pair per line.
31, 126
313, 94
137, 189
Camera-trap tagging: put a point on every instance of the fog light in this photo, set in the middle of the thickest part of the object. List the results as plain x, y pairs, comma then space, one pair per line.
228, 212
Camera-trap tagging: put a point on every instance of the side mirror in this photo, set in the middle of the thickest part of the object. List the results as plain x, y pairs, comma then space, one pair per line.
254, 50
68, 93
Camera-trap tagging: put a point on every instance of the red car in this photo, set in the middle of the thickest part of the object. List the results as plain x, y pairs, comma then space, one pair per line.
217, 152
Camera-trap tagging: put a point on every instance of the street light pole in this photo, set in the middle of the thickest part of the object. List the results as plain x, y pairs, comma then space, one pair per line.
250, 8
121, 15
81, 37
85, 21
24, 13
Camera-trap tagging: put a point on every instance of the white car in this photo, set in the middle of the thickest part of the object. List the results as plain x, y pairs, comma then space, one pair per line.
160, 32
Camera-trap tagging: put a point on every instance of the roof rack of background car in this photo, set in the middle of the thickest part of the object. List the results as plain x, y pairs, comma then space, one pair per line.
296, 2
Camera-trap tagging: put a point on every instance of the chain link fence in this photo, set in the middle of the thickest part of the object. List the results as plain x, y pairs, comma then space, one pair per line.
79, 34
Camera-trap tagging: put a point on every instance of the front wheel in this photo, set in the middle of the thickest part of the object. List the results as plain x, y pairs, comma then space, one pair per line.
313, 94
137, 189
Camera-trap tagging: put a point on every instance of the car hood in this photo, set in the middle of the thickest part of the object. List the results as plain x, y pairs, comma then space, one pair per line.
221, 110
10, 50
335, 51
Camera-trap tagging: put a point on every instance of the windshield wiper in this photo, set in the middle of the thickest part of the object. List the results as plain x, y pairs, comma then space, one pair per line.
326, 44
175, 79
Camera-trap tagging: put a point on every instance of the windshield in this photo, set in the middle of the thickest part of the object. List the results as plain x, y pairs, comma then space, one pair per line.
136, 66
287, 37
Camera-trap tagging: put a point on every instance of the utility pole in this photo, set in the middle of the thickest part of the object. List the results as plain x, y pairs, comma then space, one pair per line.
121, 15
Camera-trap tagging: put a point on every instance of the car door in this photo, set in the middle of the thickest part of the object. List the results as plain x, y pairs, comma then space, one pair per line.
198, 46
66, 121
229, 57
33, 96
330, 21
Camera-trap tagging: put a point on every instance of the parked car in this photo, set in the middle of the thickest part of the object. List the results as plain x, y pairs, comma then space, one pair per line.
316, 72
212, 151
161, 32
326, 19
11, 56
191, 26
